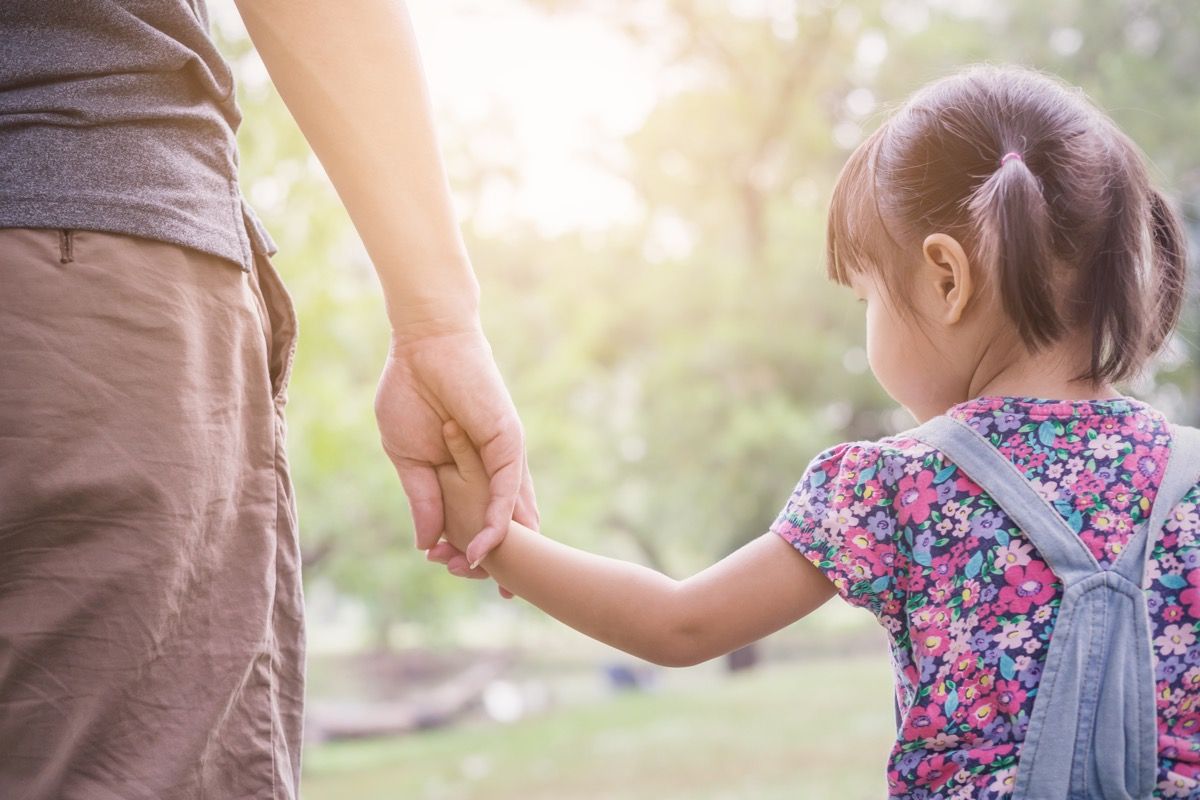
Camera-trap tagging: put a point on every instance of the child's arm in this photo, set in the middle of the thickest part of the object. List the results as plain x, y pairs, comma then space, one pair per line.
756, 590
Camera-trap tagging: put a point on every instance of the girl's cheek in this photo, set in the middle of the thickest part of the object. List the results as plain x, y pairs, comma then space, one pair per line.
885, 353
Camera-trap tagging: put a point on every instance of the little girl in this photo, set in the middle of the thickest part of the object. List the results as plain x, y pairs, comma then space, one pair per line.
1033, 546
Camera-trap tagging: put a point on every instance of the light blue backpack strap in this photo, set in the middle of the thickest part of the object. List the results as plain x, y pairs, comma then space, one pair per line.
1061, 548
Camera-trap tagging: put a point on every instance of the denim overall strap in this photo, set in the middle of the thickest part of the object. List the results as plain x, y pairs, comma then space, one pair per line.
1179, 478
1093, 731
1060, 547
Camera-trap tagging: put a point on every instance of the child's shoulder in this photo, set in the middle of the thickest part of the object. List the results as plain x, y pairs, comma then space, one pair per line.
864, 459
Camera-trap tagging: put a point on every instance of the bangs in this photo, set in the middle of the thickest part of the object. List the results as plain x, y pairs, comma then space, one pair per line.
856, 232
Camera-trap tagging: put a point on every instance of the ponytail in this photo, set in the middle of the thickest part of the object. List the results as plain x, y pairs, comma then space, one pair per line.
1013, 228
1112, 282
1170, 266
1134, 281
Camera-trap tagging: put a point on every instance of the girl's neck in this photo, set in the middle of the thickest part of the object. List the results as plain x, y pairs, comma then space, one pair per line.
1046, 375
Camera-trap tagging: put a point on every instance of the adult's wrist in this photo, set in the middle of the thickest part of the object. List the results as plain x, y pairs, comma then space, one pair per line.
415, 319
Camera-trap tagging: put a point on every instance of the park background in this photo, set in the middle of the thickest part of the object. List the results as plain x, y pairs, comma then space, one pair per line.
642, 186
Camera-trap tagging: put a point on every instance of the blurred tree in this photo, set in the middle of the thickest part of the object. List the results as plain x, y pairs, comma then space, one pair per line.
676, 375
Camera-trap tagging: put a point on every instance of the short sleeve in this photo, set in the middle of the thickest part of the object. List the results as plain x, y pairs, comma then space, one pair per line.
840, 519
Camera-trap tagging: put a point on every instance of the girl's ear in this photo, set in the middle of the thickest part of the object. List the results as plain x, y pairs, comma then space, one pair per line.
948, 267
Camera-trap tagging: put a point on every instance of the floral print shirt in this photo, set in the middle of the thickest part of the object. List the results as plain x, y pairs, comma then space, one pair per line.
968, 603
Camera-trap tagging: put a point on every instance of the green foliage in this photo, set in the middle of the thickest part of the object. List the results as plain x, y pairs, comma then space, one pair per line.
672, 399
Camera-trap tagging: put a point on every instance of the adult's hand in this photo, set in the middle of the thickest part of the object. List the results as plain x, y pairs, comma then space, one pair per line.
439, 373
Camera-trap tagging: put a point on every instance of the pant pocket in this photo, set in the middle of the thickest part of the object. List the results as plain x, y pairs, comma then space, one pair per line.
281, 325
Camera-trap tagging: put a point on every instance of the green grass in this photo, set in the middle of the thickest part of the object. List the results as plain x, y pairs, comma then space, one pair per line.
812, 729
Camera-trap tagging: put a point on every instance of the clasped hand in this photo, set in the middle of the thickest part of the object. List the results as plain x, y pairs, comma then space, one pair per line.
465, 487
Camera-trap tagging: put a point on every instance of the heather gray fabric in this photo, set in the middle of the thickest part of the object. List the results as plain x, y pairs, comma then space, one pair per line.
119, 115
1094, 732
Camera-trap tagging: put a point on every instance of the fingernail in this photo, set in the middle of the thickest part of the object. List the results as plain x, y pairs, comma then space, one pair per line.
476, 564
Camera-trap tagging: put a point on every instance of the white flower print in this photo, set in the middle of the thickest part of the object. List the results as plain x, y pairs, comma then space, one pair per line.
1175, 640
1106, 446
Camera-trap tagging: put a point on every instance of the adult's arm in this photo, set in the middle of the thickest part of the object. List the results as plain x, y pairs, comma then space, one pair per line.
351, 76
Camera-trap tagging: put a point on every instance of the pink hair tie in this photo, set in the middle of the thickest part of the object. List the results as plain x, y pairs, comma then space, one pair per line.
1007, 156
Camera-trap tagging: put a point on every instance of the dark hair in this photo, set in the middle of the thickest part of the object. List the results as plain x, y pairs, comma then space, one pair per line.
1070, 234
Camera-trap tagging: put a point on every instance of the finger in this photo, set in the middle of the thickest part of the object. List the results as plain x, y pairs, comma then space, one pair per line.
442, 552
526, 511
425, 501
466, 459
503, 458
505, 593
457, 565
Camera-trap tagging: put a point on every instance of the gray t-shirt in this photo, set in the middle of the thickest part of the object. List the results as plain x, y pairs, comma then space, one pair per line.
119, 115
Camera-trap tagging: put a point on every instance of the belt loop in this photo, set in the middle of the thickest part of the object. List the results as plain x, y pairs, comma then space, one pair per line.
65, 246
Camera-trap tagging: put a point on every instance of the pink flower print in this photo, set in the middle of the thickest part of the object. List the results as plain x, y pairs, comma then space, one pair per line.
1028, 585
1088, 481
1113, 548
1119, 498
1172, 613
863, 542
936, 771
1191, 595
969, 592
1175, 640
924, 721
933, 642
942, 566
914, 496
1144, 462
1186, 723
981, 713
1009, 696
963, 665
1094, 543
965, 486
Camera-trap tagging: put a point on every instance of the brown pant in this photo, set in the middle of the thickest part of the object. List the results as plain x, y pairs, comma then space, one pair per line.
151, 613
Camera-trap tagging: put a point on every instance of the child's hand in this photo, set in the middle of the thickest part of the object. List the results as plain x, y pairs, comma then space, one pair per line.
466, 488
